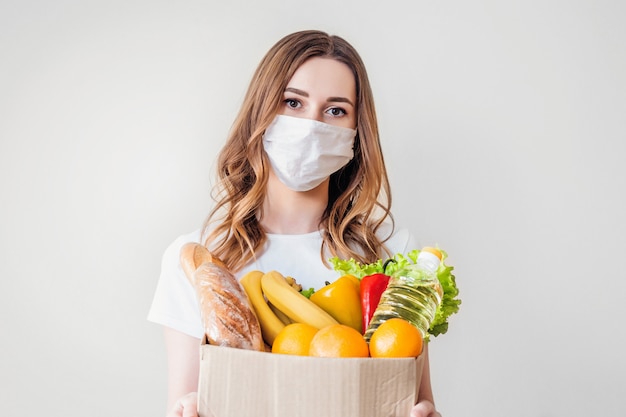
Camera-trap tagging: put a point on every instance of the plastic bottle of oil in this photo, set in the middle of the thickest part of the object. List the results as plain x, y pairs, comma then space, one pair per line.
413, 293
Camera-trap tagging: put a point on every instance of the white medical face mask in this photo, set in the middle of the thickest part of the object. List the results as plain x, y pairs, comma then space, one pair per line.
304, 152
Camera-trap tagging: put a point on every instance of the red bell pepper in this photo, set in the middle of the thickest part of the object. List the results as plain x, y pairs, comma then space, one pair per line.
372, 288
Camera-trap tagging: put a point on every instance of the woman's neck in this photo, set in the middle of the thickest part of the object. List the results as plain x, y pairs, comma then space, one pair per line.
289, 212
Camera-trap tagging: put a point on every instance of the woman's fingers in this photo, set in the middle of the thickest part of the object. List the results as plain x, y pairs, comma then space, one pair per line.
424, 409
186, 406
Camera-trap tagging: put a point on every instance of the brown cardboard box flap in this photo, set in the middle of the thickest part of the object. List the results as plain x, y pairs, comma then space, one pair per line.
244, 383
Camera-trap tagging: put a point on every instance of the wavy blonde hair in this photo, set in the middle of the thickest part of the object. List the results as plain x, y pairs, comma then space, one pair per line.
359, 197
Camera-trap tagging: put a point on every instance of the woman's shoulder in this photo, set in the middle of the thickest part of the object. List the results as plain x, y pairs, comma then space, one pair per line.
173, 249
396, 239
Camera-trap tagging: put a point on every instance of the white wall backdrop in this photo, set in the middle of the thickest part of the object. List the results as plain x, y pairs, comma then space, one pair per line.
504, 130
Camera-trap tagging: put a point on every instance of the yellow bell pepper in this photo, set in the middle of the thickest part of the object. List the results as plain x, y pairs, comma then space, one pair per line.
341, 299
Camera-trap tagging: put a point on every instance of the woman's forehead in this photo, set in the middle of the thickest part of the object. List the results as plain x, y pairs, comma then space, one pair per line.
324, 77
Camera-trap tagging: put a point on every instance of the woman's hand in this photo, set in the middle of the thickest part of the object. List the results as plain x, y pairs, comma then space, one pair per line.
424, 408
186, 406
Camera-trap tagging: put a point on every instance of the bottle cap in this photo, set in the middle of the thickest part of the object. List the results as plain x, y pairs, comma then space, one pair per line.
429, 258
432, 250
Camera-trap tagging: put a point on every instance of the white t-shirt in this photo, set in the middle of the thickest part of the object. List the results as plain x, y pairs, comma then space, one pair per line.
175, 304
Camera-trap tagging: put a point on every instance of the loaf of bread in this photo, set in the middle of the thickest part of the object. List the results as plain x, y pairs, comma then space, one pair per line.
227, 313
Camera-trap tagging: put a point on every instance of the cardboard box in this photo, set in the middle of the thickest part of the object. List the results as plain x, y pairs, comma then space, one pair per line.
244, 383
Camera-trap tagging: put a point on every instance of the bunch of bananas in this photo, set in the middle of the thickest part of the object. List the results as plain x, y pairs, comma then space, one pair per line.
277, 302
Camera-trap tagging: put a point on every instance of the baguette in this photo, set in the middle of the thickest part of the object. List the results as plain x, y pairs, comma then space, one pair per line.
227, 314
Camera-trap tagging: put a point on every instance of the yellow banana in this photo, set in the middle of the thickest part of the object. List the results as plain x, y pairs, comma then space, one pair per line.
299, 308
271, 325
282, 316
292, 281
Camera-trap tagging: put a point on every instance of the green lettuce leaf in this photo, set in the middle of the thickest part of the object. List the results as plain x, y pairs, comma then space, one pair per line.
450, 303
307, 293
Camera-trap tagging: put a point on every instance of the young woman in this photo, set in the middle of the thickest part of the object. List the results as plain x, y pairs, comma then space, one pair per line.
301, 178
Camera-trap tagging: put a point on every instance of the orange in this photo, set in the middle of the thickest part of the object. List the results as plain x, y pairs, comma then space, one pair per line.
294, 339
396, 338
339, 341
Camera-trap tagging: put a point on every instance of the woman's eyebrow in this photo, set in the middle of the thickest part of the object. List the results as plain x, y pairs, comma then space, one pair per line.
297, 91
340, 99
328, 100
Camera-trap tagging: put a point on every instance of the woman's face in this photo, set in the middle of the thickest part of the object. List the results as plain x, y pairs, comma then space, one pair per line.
322, 89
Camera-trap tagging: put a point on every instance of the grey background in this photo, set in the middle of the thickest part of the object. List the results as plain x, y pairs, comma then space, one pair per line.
504, 132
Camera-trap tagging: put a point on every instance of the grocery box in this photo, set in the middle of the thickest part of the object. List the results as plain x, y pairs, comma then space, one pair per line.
244, 383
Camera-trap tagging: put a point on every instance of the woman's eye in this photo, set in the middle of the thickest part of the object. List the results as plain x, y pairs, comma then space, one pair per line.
336, 111
294, 104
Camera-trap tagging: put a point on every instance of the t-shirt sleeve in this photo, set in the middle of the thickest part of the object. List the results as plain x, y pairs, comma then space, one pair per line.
402, 241
175, 304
